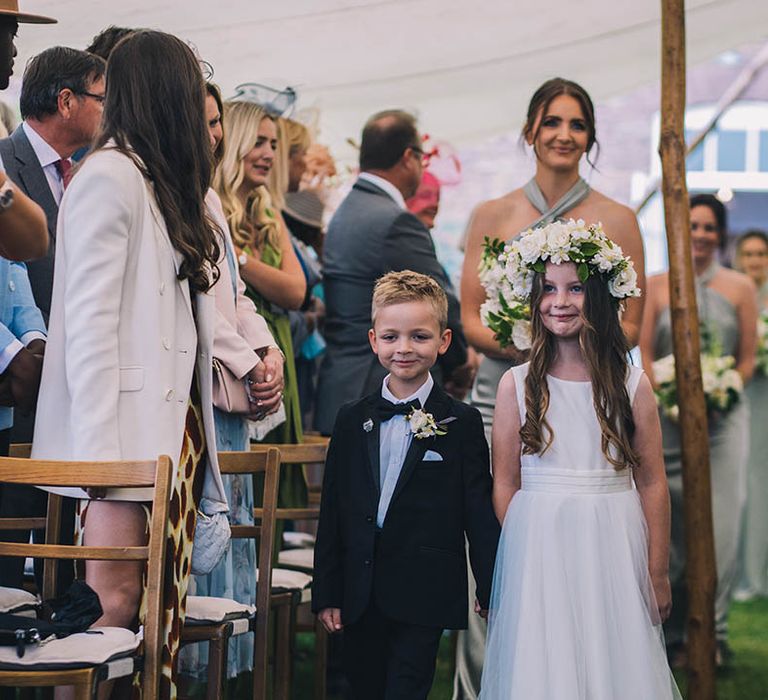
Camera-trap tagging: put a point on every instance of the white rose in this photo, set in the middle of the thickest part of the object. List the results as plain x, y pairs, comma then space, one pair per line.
531, 245
418, 420
664, 369
521, 335
624, 284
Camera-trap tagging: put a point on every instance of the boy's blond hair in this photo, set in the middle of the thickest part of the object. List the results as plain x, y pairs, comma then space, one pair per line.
407, 286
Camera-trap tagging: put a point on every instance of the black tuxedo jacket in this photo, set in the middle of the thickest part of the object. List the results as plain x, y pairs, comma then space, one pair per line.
417, 570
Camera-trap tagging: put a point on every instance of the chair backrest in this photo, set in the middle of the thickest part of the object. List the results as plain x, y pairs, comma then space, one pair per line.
266, 462
292, 455
123, 474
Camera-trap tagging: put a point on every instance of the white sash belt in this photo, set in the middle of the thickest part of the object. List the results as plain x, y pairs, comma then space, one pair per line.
572, 481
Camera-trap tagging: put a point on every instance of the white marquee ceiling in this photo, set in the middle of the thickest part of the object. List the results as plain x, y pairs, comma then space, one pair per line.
466, 68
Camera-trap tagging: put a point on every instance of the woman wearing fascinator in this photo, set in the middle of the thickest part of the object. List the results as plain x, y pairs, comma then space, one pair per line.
561, 132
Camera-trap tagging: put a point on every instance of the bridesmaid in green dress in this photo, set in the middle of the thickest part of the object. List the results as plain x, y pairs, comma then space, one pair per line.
268, 263
727, 306
752, 259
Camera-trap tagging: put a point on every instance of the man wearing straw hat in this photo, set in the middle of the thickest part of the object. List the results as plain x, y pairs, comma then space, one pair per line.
23, 233
10, 18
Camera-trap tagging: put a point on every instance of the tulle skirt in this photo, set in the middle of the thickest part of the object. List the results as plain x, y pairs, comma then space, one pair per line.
573, 615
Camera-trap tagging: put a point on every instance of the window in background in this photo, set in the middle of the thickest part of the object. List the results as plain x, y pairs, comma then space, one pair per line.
731, 151
763, 160
695, 161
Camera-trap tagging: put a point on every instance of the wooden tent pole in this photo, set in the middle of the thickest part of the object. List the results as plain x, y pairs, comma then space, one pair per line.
700, 550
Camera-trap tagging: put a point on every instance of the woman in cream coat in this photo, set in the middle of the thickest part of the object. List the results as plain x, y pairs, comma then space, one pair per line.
128, 372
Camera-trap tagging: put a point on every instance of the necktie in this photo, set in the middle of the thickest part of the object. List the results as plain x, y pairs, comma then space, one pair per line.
387, 409
64, 168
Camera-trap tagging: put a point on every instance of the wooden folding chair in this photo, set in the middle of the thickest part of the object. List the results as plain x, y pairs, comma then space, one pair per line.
86, 659
302, 560
231, 618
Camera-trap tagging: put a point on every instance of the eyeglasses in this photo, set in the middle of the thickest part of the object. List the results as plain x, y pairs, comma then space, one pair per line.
99, 98
424, 157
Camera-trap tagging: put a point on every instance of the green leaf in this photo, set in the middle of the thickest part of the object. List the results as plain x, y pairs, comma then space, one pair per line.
583, 271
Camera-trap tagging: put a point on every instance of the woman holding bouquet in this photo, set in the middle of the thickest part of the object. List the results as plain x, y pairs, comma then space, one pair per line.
560, 129
727, 306
752, 259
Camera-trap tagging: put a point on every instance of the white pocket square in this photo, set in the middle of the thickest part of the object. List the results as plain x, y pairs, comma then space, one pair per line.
432, 456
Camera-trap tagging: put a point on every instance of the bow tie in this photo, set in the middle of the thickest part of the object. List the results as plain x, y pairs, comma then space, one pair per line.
387, 409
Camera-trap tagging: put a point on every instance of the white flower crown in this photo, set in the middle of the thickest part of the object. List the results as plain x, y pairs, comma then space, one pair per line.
507, 271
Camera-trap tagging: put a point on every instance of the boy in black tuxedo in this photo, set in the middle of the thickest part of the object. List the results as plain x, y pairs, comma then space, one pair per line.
406, 479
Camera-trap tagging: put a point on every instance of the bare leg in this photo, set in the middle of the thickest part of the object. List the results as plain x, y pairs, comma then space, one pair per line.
117, 583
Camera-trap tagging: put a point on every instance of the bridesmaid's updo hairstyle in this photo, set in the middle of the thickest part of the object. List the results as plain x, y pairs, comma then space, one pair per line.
718, 210
605, 350
543, 97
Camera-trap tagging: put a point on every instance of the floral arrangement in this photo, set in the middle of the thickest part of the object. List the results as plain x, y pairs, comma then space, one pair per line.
723, 385
507, 270
762, 343
424, 425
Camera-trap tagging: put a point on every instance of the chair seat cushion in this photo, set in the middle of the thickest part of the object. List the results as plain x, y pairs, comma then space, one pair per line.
92, 648
11, 598
206, 609
298, 540
303, 559
288, 580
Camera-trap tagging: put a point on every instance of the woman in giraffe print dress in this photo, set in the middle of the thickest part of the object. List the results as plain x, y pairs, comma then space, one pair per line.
128, 372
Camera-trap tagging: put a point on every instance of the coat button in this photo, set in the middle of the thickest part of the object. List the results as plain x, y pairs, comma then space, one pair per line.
12, 285
369, 519
367, 562
169, 394
166, 344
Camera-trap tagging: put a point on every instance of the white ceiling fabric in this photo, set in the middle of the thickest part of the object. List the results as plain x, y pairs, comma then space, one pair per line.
466, 68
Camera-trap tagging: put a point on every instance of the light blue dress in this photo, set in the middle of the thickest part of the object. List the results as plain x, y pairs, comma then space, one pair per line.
235, 575
754, 566
728, 448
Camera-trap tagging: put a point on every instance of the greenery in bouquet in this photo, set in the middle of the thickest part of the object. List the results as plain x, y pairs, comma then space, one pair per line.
723, 385
507, 271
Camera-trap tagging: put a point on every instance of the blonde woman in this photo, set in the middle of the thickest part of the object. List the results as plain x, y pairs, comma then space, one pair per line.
293, 142
268, 264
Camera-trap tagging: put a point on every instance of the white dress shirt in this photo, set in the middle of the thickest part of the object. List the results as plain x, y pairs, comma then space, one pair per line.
48, 159
395, 438
385, 185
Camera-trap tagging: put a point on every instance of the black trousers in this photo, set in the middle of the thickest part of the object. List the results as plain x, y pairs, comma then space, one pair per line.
385, 659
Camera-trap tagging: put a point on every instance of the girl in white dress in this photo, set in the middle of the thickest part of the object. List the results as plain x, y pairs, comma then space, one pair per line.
581, 583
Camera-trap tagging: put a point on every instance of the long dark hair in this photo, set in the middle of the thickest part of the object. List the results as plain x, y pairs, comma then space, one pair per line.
718, 211
155, 113
543, 97
605, 350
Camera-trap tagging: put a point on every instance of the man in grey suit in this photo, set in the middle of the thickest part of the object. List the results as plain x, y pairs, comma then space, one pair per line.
61, 104
370, 234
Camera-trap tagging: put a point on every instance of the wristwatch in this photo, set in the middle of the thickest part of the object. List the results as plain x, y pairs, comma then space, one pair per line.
6, 195
261, 352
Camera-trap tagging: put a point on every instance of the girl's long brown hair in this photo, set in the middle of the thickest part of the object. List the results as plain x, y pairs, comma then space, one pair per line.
155, 113
605, 350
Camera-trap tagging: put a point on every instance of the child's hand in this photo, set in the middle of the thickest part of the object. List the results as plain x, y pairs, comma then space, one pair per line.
663, 592
480, 611
331, 619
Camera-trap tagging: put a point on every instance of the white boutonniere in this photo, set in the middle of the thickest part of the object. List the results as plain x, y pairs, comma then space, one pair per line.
424, 425
368, 425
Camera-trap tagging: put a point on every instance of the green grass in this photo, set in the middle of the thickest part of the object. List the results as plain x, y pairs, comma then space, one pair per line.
747, 679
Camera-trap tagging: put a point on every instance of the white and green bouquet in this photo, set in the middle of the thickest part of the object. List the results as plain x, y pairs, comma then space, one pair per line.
723, 385
507, 270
